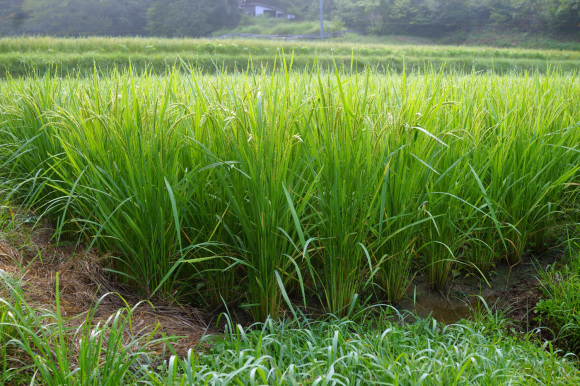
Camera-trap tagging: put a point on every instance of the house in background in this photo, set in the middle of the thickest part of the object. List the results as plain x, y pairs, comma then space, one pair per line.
256, 9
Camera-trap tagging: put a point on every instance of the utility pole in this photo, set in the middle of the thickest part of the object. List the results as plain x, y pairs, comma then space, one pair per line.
321, 21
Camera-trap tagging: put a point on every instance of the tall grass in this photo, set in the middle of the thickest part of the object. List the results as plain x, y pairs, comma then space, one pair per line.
271, 187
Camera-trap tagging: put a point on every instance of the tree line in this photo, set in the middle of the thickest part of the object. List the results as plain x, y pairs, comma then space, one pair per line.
201, 17
437, 17
117, 17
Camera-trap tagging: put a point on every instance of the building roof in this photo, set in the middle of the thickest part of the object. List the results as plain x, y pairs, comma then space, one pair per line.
254, 3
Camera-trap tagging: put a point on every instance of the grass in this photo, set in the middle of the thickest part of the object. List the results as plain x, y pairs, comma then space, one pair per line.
271, 26
298, 186
39, 343
508, 38
559, 308
364, 347
343, 352
21, 56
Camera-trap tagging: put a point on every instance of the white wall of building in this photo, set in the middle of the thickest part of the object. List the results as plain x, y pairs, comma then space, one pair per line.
260, 10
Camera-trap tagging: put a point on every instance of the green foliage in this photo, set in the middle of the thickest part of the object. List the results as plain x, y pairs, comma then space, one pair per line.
25, 55
261, 187
359, 14
342, 351
439, 17
7, 333
536, 15
561, 307
11, 16
85, 17
116, 17
366, 347
108, 352
564, 15
191, 17
430, 18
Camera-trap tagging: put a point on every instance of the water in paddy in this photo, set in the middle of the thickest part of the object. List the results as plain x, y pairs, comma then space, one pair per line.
464, 293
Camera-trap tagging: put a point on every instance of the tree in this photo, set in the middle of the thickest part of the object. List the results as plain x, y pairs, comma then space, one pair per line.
359, 14
11, 16
563, 16
86, 17
449, 15
523, 15
406, 16
191, 17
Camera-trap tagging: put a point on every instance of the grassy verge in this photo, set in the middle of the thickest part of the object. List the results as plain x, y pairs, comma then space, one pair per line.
21, 56
39, 346
561, 307
506, 38
271, 26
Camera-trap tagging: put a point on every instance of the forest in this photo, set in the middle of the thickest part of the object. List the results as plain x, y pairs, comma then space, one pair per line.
196, 18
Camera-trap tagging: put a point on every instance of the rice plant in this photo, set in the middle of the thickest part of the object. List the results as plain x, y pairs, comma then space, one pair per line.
270, 188
21, 56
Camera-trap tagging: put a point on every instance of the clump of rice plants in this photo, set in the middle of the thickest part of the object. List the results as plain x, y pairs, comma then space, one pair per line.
275, 188
21, 56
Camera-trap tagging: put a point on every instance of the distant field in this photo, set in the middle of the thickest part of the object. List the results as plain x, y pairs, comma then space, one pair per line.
21, 56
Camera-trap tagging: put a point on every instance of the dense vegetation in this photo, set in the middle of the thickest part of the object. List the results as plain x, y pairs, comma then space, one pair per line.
38, 345
21, 56
116, 17
288, 194
335, 351
299, 185
439, 17
201, 17
561, 306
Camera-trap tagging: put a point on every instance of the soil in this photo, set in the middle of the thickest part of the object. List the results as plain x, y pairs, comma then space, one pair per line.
509, 291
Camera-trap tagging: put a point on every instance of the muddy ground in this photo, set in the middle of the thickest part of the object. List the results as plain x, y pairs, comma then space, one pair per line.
509, 291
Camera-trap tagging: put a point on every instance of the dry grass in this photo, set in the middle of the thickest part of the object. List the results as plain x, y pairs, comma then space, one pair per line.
83, 282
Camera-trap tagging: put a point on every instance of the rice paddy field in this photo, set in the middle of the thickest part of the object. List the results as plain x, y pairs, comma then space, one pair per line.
19, 56
309, 190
